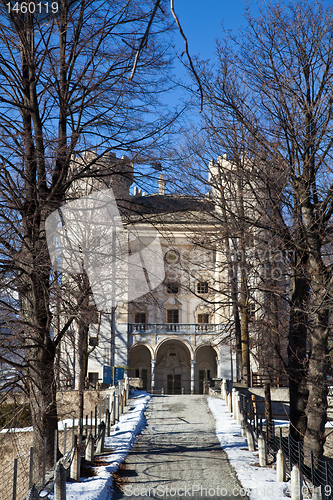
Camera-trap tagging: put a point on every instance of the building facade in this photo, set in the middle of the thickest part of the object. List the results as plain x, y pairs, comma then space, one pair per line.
179, 335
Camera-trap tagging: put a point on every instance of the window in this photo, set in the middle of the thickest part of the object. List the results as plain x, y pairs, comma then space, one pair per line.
202, 287
203, 318
173, 316
93, 341
172, 257
172, 288
93, 379
140, 317
251, 310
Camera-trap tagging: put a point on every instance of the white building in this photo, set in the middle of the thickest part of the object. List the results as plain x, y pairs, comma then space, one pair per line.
178, 335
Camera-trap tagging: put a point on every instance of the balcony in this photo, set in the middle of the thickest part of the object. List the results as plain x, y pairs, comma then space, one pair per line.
189, 328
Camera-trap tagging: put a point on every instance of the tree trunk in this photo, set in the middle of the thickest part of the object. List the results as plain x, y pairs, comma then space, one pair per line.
297, 362
316, 410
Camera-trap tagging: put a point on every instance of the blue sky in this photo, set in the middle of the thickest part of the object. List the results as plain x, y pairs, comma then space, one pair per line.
201, 21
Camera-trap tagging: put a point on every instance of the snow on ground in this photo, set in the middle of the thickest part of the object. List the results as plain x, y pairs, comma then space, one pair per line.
121, 441
258, 482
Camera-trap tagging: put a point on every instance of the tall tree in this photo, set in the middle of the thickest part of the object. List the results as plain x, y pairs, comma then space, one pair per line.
275, 82
67, 86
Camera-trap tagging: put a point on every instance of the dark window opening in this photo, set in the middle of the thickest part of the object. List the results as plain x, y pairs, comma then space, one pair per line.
140, 318
172, 288
173, 316
203, 318
202, 287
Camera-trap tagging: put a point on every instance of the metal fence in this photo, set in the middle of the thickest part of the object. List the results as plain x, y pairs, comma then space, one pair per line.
314, 472
23, 480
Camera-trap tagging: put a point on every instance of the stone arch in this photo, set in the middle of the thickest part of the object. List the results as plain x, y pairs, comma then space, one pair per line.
173, 366
206, 358
140, 357
179, 339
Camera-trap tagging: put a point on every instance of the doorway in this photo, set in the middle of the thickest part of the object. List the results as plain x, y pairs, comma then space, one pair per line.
203, 375
174, 384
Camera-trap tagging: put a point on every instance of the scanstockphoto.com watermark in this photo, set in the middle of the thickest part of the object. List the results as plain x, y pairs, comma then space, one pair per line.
200, 491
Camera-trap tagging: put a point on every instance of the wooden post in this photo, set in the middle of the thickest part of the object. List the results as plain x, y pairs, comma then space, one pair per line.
122, 402
95, 434
280, 467
268, 409
262, 451
90, 448
60, 484
296, 484
31, 467
15, 479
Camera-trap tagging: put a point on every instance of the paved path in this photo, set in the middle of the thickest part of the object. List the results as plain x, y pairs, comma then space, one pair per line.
178, 455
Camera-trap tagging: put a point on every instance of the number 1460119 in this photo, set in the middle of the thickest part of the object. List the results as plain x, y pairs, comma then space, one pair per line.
33, 7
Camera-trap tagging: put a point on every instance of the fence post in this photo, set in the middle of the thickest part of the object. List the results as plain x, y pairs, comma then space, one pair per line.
73, 432
95, 433
230, 402
89, 455
243, 425
15, 479
100, 439
233, 398
108, 430
75, 465
262, 451
296, 483
60, 484
238, 409
113, 409
250, 438
31, 467
280, 467
117, 414
55, 450
65, 438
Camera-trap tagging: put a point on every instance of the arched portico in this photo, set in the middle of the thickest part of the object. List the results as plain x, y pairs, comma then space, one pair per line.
173, 367
140, 357
206, 366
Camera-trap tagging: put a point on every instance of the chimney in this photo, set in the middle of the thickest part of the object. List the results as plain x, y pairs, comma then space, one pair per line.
161, 185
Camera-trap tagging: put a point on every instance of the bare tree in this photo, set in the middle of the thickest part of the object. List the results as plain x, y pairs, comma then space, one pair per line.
65, 89
275, 83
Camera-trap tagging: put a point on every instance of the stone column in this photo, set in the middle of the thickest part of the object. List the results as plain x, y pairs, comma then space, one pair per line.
153, 366
192, 375
219, 368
